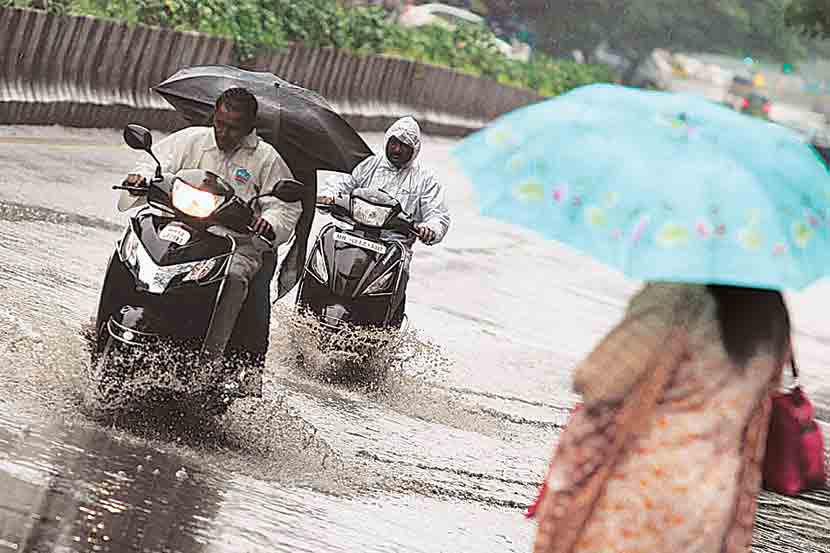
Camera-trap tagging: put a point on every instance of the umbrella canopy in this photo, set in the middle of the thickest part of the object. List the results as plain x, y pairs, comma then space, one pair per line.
309, 135
298, 122
661, 186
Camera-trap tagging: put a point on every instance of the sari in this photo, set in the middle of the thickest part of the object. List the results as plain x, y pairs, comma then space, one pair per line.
665, 453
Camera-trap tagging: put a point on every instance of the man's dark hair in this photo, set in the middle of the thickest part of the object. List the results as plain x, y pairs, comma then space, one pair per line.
751, 321
240, 100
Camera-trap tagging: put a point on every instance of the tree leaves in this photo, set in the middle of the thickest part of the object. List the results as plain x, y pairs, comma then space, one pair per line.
638, 26
810, 16
262, 25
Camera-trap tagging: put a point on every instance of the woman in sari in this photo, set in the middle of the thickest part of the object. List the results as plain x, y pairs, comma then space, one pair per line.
665, 453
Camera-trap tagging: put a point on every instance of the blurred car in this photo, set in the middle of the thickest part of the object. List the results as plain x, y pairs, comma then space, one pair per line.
450, 18
741, 86
744, 96
754, 104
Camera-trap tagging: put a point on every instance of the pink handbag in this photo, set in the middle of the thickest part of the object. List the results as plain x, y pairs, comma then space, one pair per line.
794, 460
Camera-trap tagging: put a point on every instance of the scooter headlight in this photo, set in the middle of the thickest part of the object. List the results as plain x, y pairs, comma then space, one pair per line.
318, 266
369, 214
194, 202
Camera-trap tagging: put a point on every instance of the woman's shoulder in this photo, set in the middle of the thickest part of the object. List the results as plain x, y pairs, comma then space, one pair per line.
671, 301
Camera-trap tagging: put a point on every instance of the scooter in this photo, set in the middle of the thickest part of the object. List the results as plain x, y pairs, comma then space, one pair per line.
357, 271
160, 292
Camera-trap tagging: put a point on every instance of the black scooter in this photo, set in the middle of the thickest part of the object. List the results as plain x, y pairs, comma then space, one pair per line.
356, 273
160, 292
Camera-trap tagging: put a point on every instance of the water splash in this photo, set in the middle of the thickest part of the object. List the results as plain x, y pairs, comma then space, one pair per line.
46, 376
355, 357
401, 370
39, 368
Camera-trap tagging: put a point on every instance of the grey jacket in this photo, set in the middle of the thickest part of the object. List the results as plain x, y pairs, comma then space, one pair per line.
414, 186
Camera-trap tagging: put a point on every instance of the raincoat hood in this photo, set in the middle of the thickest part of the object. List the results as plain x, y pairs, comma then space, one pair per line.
407, 130
413, 185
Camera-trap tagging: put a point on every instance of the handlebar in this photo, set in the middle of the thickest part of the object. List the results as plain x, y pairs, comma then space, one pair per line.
267, 237
400, 223
133, 189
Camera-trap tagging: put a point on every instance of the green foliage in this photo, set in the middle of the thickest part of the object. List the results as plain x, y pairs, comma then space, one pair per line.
810, 16
52, 6
636, 27
472, 50
262, 25
244, 21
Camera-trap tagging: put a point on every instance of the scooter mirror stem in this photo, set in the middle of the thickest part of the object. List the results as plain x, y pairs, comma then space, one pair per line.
158, 165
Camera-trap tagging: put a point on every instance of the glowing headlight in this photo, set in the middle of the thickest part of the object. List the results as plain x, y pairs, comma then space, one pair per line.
368, 214
194, 202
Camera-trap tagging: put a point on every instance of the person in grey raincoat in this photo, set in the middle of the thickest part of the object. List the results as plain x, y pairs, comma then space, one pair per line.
398, 173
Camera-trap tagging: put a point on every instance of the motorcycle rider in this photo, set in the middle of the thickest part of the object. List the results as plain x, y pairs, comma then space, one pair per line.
232, 150
399, 174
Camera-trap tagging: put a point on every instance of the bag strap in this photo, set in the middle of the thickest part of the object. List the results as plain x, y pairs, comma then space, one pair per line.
794, 372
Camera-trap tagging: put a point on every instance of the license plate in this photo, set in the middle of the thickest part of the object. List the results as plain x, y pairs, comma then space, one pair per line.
359, 242
175, 234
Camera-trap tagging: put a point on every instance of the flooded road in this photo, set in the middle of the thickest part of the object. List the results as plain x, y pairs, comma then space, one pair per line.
441, 455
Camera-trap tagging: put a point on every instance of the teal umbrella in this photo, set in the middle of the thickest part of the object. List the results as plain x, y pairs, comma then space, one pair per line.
661, 186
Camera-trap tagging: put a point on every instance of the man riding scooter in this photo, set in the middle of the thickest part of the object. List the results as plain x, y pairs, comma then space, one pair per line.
398, 173
232, 150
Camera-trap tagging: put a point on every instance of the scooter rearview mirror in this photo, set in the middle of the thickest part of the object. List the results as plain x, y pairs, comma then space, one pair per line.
138, 138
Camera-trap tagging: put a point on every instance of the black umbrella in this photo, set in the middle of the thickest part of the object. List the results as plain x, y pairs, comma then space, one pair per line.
298, 122
309, 135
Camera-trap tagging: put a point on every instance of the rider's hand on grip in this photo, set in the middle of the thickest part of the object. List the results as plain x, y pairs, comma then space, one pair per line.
269, 234
264, 229
137, 182
426, 234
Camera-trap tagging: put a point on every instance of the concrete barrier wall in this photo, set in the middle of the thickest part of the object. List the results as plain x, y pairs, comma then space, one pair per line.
87, 72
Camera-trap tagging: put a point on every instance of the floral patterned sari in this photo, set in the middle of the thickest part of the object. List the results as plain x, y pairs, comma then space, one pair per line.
666, 453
